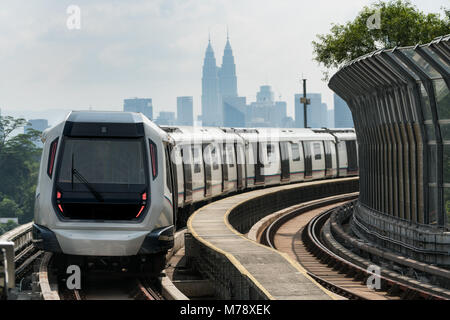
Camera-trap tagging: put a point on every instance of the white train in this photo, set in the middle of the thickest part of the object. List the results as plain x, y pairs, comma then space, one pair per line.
115, 184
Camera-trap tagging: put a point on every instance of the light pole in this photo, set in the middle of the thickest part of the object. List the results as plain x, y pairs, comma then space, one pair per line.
305, 102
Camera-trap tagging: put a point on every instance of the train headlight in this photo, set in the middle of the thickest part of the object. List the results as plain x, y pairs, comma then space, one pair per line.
144, 202
58, 201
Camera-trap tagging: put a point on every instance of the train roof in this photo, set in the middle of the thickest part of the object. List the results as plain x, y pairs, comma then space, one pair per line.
105, 117
187, 133
201, 134
284, 134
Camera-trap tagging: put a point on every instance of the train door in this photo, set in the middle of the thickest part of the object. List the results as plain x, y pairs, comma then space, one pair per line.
232, 168
198, 186
240, 165
207, 161
285, 168
352, 156
187, 172
177, 161
250, 160
171, 181
318, 160
216, 173
308, 160
224, 167
343, 161
336, 150
296, 164
328, 159
259, 178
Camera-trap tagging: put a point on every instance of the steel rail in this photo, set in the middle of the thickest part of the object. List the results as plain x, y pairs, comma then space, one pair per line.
311, 237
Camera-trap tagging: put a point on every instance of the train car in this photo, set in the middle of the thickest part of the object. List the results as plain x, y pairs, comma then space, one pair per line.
114, 184
346, 150
103, 188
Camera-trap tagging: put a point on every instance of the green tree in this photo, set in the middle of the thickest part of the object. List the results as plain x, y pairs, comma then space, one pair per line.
401, 24
19, 166
5, 227
9, 208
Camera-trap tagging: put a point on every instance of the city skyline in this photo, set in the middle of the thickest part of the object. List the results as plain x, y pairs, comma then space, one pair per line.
220, 95
127, 50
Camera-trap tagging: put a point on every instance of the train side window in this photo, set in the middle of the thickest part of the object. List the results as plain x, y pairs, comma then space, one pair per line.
51, 157
352, 157
317, 152
168, 171
215, 157
295, 152
196, 155
270, 152
328, 159
230, 155
154, 158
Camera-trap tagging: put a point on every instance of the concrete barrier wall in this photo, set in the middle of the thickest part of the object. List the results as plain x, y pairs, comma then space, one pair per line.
229, 282
423, 243
244, 216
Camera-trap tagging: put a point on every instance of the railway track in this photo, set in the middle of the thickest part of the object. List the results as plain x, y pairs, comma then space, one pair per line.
298, 232
43, 283
138, 289
96, 285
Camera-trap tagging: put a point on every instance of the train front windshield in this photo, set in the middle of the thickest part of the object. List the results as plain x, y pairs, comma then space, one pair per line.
102, 178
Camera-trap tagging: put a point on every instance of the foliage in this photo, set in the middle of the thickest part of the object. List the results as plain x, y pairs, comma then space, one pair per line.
402, 24
19, 166
5, 227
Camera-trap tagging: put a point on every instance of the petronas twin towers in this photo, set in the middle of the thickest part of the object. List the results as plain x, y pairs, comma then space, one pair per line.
217, 83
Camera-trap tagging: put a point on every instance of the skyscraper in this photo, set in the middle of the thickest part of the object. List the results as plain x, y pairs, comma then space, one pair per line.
342, 114
219, 88
234, 111
330, 118
299, 122
211, 102
266, 112
142, 105
279, 114
185, 113
316, 111
166, 118
227, 73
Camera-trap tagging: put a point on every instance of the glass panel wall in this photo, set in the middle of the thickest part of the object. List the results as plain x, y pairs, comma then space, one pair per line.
422, 64
401, 107
436, 58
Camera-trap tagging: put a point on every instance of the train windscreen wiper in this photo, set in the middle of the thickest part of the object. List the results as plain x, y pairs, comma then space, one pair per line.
97, 195
80, 177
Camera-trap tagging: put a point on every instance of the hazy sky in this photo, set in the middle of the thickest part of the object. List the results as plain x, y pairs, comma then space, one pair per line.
155, 49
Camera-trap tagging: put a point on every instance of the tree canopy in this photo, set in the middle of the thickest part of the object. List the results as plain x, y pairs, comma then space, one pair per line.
401, 24
19, 166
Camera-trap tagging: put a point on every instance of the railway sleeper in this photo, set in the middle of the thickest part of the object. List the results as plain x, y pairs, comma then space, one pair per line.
394, 289
351, 273
408, 294
337, 265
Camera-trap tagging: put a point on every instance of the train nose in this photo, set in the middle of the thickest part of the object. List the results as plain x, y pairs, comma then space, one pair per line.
100, 242
103, 242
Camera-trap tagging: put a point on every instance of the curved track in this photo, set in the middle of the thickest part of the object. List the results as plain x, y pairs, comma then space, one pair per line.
299, 235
